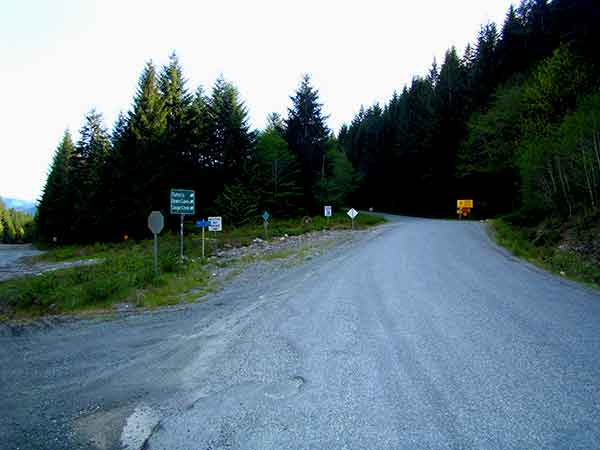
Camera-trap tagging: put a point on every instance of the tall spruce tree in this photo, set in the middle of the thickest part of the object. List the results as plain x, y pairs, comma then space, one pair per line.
86, 167
201, 159
511, 50
142, 162
484, 75
55, 208
231, 140
306, 134
179, 115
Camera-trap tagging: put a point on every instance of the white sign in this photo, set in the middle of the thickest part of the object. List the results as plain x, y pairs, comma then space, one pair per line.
327, 211
215, 224
352, 213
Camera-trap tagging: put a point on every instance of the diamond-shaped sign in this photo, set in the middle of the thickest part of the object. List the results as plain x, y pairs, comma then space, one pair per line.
352, 213
266, 216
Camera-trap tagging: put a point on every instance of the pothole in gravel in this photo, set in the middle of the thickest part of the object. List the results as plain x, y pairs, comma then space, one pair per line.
138, 427
101, 428
284, 389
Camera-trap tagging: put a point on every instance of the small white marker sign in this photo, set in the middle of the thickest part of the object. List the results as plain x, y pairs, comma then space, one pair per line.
215, 223
327, 211
352, 213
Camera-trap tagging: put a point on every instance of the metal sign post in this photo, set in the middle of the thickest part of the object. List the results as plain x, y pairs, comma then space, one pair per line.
327, 212
265, 217
181, 240
202, 224
156, 222
183, 202
215, 224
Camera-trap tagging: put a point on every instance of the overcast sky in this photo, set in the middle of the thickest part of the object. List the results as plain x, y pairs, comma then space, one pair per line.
59, 58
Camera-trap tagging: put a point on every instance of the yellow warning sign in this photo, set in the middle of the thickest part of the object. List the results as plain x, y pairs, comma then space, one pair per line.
464, 204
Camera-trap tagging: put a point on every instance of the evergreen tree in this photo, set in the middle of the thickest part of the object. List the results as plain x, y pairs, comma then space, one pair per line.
179, 116
55, 207
86, 166
228, 155
338, 178
201, 158
306, 134
279, 171
511, 50
451, 105
231, 140
141, 161
484, 76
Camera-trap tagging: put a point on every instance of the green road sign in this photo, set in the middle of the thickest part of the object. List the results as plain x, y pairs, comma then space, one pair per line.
183, 201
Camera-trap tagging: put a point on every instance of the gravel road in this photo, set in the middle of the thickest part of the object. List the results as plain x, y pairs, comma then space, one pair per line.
13, 262
419, 334
10, 256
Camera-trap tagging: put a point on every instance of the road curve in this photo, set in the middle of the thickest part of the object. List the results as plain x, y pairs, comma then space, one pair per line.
421, 335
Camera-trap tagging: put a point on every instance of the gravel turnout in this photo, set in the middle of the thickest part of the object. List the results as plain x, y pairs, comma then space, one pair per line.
14, 263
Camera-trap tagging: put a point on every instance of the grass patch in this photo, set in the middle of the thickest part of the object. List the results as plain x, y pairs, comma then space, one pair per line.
525, 243
125, 273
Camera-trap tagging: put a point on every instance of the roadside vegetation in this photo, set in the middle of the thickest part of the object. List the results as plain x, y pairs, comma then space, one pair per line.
16, 227
569, 249
124, 272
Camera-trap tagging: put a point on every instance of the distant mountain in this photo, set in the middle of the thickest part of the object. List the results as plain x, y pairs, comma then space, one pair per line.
27, 206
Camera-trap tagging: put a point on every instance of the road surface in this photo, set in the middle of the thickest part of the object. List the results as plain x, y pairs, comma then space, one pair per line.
10, 256
421, 334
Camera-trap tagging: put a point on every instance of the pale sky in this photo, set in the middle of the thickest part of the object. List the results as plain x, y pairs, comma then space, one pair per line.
60, 58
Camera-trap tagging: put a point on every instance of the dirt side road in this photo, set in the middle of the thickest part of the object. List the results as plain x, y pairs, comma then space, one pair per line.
10, 256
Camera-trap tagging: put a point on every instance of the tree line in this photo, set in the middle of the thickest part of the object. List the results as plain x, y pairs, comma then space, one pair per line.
103, 186
513, 123
15, 226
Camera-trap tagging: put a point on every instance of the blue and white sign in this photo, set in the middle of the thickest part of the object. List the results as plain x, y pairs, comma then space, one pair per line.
202, 223
215, 223
328, 211
266, 216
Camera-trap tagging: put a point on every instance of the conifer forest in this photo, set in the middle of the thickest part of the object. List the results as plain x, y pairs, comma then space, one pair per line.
511, 121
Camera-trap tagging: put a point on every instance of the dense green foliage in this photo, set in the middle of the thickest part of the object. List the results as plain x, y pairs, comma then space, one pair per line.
103, 187
512, 123
15, 226
540, 248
